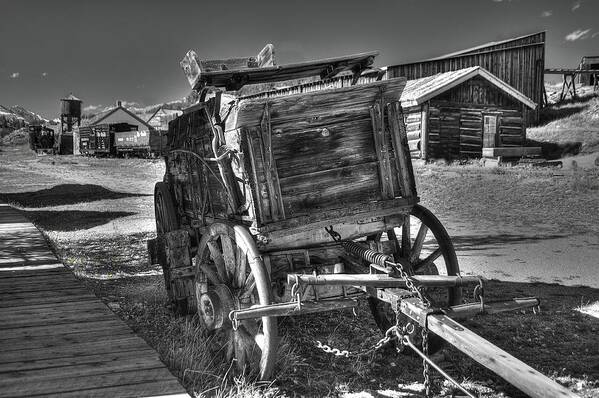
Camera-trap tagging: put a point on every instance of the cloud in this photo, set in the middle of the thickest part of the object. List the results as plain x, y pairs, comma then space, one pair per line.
594, 35
92, 108
15, 75
546, 13
44, 74
576, 5
578, 34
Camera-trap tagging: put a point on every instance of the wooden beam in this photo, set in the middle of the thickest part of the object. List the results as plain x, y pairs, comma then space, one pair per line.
516, 372
511, 151
424, 131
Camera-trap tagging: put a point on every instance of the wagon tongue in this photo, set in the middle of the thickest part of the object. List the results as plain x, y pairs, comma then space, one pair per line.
234, 73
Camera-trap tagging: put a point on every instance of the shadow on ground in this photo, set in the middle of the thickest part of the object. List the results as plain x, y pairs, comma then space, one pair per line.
484, 242
72, 220
64, 194
554, 150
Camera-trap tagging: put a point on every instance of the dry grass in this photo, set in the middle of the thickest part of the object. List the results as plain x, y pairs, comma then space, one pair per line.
568, 128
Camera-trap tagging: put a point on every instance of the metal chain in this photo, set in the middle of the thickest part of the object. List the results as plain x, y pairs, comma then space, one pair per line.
425, 367
393, 333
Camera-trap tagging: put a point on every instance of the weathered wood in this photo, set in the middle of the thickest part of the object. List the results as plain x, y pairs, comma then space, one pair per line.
511, 151
235, 79
519, 62
522, 376
377, 114
401, 150
83, 382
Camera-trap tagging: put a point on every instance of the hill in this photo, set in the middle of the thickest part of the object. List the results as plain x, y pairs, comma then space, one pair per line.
16, 117
568, 128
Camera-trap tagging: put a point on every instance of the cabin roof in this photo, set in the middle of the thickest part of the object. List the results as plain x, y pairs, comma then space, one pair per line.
421, 90
103, 115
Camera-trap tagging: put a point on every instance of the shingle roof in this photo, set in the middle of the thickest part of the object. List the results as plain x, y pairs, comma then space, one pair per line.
103, 115
421, 90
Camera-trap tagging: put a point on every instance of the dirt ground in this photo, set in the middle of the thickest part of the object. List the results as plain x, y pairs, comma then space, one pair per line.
533, 232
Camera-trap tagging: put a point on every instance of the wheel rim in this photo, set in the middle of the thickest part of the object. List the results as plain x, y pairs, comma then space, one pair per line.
230, 275
166, 221
429, 251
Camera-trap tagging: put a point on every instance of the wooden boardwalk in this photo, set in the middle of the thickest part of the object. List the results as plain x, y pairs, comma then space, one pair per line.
57, 338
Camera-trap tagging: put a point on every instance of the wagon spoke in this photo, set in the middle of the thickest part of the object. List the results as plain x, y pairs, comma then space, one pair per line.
405, 238
241, 268
418, 242
429, 260
219, 262
212, 276
229, 255
248, 287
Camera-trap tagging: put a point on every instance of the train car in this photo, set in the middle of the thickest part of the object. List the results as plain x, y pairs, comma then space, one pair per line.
99, 140
41, 139
143, 143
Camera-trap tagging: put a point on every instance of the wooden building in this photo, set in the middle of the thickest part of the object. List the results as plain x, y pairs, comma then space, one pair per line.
588, 62
464, 113
116, 115
520, 62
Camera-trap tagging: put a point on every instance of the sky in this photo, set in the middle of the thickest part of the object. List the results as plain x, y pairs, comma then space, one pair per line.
129, 50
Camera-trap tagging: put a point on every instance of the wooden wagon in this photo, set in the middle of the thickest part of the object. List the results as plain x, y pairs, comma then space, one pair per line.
303, 200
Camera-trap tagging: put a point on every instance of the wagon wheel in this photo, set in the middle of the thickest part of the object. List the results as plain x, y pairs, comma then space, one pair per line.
230, 275
429, 251
166, 221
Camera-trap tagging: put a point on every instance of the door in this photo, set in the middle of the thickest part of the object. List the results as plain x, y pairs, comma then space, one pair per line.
490, 136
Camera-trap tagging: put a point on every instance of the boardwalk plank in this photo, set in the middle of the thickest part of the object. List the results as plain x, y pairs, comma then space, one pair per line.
64, 362
90, 347
59, 339
63, 339
163, 388
43, 330
79, 383
129, 361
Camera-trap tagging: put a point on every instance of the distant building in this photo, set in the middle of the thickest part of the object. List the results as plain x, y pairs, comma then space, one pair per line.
519, 62
589, 62
117, 115
464, 114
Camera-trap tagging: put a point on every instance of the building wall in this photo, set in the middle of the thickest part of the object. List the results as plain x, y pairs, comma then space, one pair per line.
520, 63
455, 121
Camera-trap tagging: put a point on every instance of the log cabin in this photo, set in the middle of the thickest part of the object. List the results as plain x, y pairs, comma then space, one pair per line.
463, 114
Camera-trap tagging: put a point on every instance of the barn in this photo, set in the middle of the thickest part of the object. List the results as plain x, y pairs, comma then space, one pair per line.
465, 113
589, 62
519, 61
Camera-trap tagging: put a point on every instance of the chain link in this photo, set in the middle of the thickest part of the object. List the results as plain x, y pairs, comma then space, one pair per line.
425, 366
393, 333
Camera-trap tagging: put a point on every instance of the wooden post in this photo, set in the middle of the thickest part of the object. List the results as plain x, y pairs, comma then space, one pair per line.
424, 132
402, 152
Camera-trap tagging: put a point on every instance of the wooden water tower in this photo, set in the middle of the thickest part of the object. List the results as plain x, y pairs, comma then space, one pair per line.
70, 113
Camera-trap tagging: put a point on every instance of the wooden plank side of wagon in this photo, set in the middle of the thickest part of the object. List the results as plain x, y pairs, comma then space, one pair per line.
57, 338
